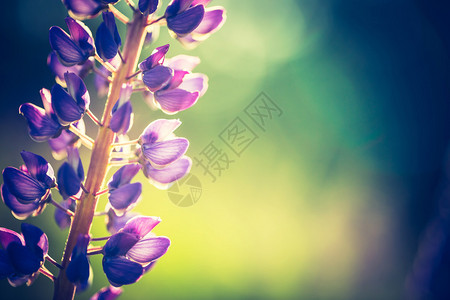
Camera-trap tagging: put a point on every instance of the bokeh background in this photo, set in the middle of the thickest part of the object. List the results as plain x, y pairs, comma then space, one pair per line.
343, 196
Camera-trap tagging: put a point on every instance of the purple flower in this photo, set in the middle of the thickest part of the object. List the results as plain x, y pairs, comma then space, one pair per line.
79, 270
155, 75
148, 6
122, 112
212, 21
122, 193
62, 219
87, 8
66, 140
26, 191
107, 39
114, 222
22, 255
158, 144
43, 124
70, 174
107, 293
59, 69
183, 16
128, 252
163, 178
70, 105
73, 49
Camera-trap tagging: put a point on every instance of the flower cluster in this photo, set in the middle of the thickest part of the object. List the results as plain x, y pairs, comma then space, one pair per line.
168, 84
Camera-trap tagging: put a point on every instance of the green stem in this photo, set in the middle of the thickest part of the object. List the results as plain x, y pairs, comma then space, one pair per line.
81, 224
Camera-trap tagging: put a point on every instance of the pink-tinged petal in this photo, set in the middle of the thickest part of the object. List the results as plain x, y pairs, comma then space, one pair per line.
141, 225
68, 52
186, 21
115, 223
22, 185
120, 270
77, 89
83, 8
165, 152
120, 243
39, 168
195, 83
182, 62
203, 2
41, 127
122, 119
176, 80
107, 293
173, 101
212, 21
81, 34
159, 130
46, 98
19, 210
162, 178
8, 236
149, 249
34, 236
157, 77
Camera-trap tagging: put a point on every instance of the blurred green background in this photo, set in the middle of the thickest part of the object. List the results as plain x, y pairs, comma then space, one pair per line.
332, 198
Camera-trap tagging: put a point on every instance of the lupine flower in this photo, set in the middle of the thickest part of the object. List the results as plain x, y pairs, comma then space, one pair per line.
158, 144
79, 270
66, 140
70, 174
22, 255
212, 21
128, 252
107, 293
155, 75
122, 112
59, 69
107, 39
163, 178
70, 106
26, 191
76, 48
123, 194
148, 6
87, 8
114, 222
43, 124
62, 219
183, 16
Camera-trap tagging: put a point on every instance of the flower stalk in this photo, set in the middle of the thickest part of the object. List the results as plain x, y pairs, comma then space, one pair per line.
64, 289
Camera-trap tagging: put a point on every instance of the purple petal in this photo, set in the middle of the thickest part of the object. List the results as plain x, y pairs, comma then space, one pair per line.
149, 249
34, 236
125, 196
39, 168
177, 6
107, 293
40, 126
203, 2
24, 259
66, 140
84, 8
123, 176
169, 173
64, 106
106, 45
212, 21
195, 83
156, 58
81, 35
77, 89
8, 236
141, 225
19, 210
158, 130
120, 270
148, 6
16, 280
68, 182
6, 268
120, 243
59, 69
22, 185
62, 219
115, 222
183, 62
157, 77
176, 80
110, 22
46, 98
173, 101
165, 152
73, 158
68, 52
122, 119
186, 21
78, 271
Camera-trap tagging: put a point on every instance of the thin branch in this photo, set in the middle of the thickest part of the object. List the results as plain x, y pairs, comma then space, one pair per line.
50, 259
100, 73
104, 238
74, 198
101, 192
67, 211
119, 15
82, 136
126, 143
84, 188
106, 64
95, 250
123, 155
134, 75
131, 5
156, 21
123, 162
93, 118
141, 89
100, 213
47, 273
120, 55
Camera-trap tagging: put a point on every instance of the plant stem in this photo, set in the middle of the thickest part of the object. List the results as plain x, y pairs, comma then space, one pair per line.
81, 224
